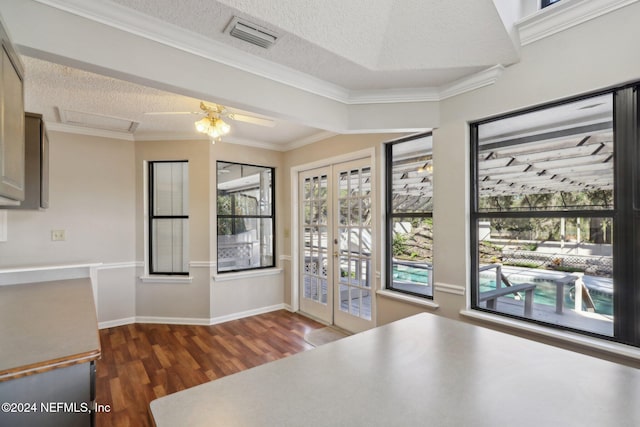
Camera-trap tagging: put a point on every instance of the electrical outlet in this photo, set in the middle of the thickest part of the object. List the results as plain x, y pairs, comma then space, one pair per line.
57, 235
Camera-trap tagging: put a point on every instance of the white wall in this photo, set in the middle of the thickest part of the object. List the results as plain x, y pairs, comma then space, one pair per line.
591, 56
92, 198
97, 192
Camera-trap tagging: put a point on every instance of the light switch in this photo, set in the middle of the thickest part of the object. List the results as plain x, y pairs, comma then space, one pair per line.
57, 235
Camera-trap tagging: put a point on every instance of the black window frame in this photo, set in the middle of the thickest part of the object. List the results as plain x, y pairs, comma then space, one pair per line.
547, 3
625, 213
151, 217
233, 218
390, 215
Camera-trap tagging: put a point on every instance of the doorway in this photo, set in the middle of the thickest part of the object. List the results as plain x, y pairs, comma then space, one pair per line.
335, 221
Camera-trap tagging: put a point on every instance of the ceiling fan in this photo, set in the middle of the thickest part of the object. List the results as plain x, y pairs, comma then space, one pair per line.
219, 111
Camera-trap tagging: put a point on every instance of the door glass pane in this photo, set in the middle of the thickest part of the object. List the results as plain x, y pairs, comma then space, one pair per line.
315, 239
355, 242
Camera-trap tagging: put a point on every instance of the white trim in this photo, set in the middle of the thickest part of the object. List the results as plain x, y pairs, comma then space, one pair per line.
288, 308
248, 313
114, 265
83, 130
369, 153
150, 28
116, 323
450, 289
202, 264
562, 16
194, 320
3, 225
252, 143
227, 277
566, 336
173, 320
347, 157
166, 279
28, 269
476, 81
398, 296
399, 95
320, 136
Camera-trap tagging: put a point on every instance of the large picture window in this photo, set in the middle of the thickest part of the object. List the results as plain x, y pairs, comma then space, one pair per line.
245, 216
552, 215
409, 215
168, 217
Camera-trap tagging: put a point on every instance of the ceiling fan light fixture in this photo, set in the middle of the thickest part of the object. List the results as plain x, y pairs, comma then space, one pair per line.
212, 126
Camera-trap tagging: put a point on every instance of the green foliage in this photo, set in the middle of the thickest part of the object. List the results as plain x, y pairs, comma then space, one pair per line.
399, 244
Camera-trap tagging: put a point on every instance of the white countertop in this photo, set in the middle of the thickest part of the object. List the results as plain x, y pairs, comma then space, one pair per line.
46, 325
423, 370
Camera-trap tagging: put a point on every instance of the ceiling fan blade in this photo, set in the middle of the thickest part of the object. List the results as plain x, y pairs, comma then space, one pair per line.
252, 119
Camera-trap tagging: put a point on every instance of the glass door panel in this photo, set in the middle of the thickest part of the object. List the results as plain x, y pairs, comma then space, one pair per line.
316, 263
354, 303
336, 269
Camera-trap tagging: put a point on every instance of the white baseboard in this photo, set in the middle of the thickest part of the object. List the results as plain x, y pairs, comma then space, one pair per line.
248, 313
191, 320
116, 322
173, 320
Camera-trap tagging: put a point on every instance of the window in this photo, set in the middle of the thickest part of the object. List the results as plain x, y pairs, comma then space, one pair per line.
553, 227
168, 217
409, 172
547, 3
245, 216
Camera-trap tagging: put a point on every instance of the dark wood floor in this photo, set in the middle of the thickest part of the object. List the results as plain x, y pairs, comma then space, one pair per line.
142, 362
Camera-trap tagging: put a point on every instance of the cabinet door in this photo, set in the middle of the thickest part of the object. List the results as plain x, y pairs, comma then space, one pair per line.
12, 141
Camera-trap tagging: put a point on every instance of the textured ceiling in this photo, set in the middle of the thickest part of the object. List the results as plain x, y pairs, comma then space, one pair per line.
357, 44
52, 89
360, 46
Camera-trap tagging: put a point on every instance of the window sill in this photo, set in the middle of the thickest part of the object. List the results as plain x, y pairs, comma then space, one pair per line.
609, 347
408, 298
166, 279
226, 277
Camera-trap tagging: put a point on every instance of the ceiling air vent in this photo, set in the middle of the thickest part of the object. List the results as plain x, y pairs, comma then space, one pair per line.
251, 33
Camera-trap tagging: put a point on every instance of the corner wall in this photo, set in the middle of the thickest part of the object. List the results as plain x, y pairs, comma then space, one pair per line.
92, 198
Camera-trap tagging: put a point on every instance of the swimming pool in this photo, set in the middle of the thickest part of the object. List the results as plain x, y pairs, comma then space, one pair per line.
545, 293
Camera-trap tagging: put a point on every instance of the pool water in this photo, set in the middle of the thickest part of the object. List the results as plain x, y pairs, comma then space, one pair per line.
419, 276
545, 293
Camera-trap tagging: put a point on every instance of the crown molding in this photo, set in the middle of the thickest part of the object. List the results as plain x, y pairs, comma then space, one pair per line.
564, 15
309, 140
473, 82
253, 143
82, 130
388, 96
151, 28
137, 23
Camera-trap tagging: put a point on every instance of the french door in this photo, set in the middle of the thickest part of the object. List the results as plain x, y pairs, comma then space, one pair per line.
336, 229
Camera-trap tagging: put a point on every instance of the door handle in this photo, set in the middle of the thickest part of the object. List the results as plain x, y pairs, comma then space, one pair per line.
335, 254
